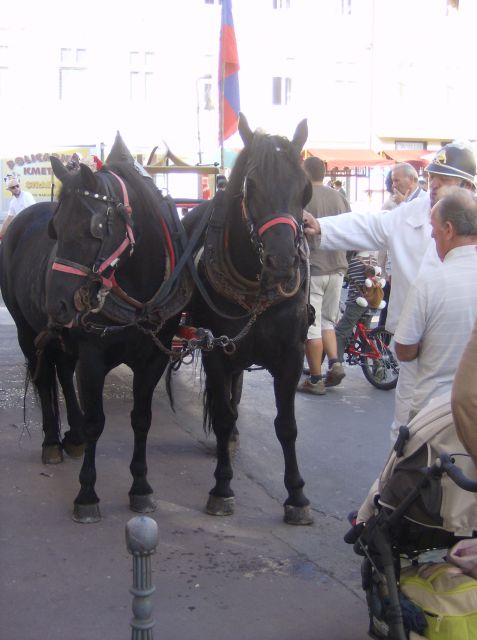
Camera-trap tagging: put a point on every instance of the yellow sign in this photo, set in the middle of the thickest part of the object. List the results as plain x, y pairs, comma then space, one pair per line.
35, 173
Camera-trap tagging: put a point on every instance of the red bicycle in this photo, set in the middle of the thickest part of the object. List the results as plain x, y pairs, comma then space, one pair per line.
370, 349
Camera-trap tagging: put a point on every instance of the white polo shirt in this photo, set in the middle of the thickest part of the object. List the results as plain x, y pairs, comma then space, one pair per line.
24, 200
439, 313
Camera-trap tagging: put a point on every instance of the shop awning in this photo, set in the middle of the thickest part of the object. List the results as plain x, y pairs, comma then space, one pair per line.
348, 158
414, 156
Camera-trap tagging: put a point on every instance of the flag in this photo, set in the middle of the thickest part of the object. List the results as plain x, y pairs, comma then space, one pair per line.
229, 98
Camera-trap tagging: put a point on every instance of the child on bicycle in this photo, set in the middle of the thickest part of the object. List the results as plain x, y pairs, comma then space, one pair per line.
358, 268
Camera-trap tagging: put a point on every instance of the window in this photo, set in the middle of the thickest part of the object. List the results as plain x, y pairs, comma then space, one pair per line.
410, 144
345, 7
142, 79
281, 90
72, 74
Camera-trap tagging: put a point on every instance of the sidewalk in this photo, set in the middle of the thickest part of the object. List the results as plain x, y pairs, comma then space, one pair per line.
246, 577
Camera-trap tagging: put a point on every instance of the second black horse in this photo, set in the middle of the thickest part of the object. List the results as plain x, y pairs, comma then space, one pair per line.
254, 272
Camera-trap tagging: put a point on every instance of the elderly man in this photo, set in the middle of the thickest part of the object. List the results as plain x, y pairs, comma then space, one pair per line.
20, 200
405, 183
440, 310
406, 233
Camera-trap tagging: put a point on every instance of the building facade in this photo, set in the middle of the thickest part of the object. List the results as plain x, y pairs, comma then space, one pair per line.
367, 74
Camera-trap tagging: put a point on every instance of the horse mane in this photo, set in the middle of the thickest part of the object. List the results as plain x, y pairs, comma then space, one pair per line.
145, 190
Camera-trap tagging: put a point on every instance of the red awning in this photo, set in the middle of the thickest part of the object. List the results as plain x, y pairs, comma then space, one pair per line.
414, 156
348, 158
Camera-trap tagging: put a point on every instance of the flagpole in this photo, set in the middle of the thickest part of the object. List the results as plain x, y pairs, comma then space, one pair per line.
221, 132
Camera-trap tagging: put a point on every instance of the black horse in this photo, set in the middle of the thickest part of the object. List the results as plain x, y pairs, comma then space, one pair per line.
25, 254
114, 282
254, 270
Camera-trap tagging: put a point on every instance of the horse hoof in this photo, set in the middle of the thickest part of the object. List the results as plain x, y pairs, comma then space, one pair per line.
86, 513
142, 504
298, 515
220, 506
52, 454
74, 450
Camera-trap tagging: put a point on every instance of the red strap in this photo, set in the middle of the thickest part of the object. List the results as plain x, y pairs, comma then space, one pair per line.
66, 269
104, 265
278, 220
109, 283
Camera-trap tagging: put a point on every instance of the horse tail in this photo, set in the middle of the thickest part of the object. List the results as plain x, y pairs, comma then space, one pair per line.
54, 396
208, 411
169, 369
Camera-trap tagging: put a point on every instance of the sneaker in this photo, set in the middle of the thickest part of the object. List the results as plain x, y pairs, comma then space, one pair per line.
317, 388
306, 371
335, 375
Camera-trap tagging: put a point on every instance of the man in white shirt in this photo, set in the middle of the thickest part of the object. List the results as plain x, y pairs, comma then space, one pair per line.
20, 200
440, 310
406, 233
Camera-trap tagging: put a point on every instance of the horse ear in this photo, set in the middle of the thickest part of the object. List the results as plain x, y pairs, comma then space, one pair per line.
88, 177
59, 169
245, 132
119, 152
301, 134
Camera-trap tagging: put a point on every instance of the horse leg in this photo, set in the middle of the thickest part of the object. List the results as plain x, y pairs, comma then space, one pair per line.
223, 414
236, 395
297, 505
42, 372
91, 375
141, 495
73, 440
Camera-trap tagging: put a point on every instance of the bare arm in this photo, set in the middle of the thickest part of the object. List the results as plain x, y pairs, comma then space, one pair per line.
406, 352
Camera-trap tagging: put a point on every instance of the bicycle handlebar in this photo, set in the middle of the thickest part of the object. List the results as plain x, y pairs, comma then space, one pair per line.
446, 463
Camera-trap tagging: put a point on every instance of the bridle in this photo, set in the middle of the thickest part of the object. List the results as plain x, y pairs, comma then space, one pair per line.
256, 232
97, 273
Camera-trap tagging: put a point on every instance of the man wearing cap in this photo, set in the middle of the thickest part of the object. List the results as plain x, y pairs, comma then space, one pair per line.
20, 200
406, 233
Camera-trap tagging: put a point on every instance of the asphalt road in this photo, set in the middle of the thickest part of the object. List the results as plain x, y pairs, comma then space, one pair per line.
244, 577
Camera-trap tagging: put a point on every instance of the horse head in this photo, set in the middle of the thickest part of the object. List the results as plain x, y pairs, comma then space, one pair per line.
93, 229
269, 182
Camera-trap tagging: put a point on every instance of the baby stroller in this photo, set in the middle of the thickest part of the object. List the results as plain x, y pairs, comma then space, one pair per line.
425, 499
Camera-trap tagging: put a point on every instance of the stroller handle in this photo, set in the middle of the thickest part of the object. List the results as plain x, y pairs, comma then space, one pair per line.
446, 463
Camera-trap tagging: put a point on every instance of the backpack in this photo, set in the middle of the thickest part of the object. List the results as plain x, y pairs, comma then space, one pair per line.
447, 597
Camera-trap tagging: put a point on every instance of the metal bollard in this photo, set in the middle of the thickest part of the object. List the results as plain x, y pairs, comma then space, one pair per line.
141, 542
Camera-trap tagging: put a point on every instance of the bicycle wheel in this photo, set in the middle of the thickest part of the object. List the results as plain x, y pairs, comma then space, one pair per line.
382, 372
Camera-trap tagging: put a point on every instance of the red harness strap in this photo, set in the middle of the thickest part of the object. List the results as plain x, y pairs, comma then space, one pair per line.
278, 220
79, 270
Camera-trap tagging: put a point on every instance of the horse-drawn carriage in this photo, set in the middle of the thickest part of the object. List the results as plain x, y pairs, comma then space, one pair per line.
102, 276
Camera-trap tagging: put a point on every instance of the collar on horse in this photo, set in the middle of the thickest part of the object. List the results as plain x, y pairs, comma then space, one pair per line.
224, 277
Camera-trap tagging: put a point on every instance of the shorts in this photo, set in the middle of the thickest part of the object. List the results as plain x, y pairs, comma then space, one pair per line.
325, 294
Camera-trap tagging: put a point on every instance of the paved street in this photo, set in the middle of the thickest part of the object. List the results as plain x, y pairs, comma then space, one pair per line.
248, 576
